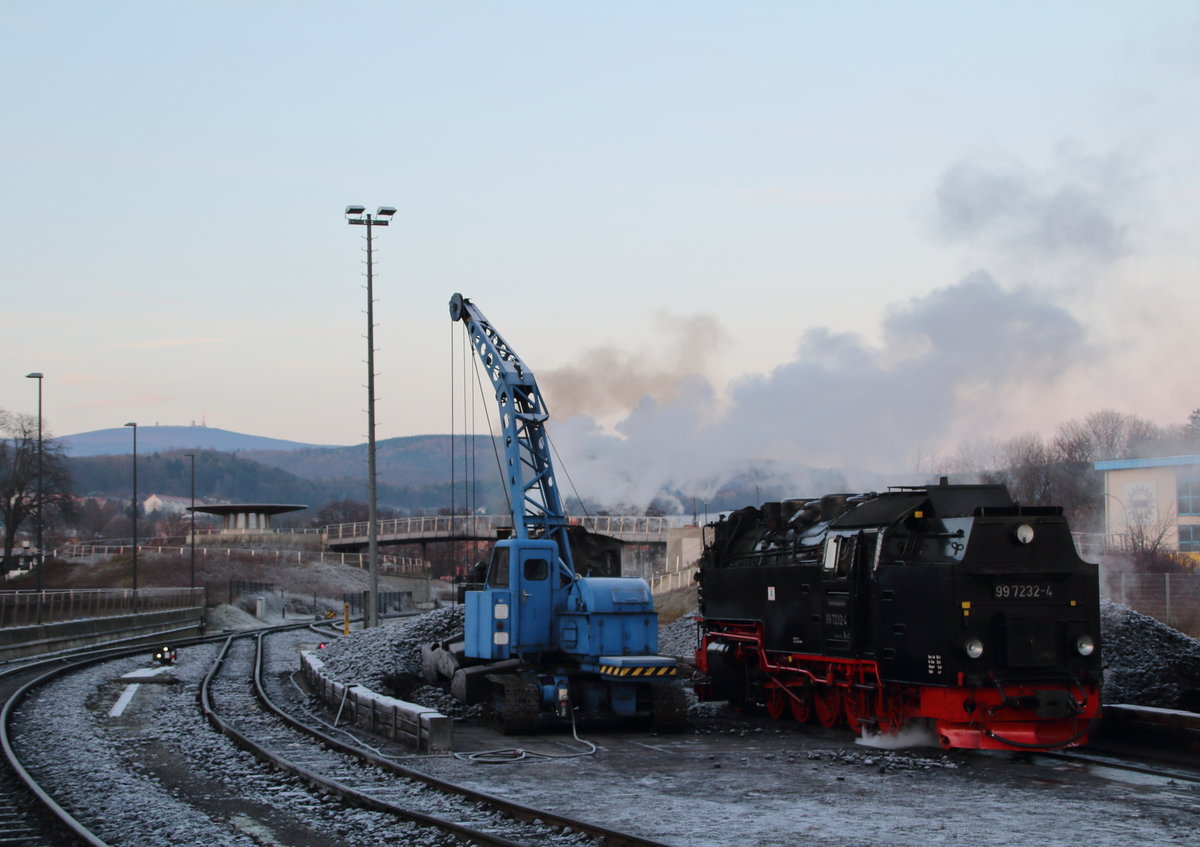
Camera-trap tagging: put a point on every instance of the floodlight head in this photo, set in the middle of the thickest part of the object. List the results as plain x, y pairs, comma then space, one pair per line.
386, 210
355, 210
132, 424
34, 375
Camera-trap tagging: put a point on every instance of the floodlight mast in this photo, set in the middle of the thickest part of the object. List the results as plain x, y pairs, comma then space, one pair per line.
40, 560
358, 215
135, 512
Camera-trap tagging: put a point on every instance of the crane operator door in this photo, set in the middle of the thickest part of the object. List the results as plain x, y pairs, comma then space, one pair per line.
533, 595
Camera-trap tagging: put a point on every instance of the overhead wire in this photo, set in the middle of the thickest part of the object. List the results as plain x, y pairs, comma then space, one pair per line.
491, 432
453, 465
563, 466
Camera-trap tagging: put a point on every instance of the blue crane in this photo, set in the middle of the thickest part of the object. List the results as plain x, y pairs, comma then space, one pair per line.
539, 639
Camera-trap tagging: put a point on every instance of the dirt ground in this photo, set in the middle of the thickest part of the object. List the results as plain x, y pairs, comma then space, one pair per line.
748, 781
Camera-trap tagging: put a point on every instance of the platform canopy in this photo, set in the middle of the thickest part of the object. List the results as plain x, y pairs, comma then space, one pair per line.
247, 517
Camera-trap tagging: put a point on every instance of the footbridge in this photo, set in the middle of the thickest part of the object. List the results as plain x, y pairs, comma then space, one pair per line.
631, 529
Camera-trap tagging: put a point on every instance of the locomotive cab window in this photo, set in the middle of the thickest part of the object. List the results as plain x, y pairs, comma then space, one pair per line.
839, 552
498, 570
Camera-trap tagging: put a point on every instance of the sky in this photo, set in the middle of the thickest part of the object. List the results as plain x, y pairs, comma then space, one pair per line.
841, 234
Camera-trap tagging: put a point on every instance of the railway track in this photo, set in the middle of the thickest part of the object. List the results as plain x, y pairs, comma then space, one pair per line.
159, 775
159, 764
29, 815
1126, 765
238, 698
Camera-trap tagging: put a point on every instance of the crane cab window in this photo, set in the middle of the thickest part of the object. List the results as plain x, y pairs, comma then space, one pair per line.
536, 569
498, 570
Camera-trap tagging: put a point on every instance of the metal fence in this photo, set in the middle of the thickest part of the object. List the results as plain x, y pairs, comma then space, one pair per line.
1173, 598
26, 608
388, 564
387, 601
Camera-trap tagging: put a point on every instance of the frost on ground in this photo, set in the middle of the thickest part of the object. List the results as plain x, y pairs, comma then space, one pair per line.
1146, 662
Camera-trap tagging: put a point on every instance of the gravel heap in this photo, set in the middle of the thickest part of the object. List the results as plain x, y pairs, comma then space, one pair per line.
1146, 662
388, 657
679, 638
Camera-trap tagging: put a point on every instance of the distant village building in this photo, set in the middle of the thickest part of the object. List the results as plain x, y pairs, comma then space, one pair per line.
1153, 497
247, 517
166, 504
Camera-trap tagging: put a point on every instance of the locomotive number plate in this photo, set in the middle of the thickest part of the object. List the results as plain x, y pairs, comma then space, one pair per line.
1023, 591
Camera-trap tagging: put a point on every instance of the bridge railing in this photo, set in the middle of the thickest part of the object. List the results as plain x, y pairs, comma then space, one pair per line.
486, 526
430, 526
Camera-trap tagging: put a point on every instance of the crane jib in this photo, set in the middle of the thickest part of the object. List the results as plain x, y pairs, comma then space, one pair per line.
530, 477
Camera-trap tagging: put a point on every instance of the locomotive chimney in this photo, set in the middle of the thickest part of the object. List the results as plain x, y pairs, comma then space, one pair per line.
831, 506
773, 516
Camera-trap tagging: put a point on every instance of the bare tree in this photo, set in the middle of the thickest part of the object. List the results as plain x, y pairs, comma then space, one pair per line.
19, 476
1108, 434
1192, 428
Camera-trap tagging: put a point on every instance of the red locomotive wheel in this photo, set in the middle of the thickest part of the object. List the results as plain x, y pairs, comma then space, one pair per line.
827, 702
777, 702
856, 712
801, 704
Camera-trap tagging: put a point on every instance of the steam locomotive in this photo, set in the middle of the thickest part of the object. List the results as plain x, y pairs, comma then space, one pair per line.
944, 605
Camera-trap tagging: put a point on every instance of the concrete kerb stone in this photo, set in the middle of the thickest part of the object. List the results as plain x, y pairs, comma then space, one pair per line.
418, 727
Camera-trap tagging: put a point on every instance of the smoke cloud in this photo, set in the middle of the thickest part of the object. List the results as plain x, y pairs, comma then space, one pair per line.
960, 362
1064, 212
840, 403
612, 380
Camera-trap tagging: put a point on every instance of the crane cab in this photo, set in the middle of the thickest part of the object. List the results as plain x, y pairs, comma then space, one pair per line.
512, 615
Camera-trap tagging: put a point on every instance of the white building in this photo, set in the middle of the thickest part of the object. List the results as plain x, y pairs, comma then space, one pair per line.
1153, 498
167, 504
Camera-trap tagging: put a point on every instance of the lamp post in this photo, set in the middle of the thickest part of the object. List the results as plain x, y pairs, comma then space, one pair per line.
40, 559
135, 510
192, 582
358, 216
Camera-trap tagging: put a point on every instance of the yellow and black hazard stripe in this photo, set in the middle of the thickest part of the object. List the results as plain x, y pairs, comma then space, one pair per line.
656, 671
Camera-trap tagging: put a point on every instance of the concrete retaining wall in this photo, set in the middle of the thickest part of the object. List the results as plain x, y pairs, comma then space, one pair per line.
19, 642
418, 727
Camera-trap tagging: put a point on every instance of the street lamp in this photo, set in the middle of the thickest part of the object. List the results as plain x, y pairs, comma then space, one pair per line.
192, 456
135, 506
358, 216
40, 560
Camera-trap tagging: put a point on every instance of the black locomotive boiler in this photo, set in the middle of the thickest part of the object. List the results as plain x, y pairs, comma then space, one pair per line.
944, 605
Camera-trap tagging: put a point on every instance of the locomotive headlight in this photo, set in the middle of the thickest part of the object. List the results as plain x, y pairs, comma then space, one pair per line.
1023, 534
973, 647
1085, 645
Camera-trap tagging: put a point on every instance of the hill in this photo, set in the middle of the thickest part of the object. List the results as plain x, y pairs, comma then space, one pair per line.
416, 460
411, 477
413, 472
157, 439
